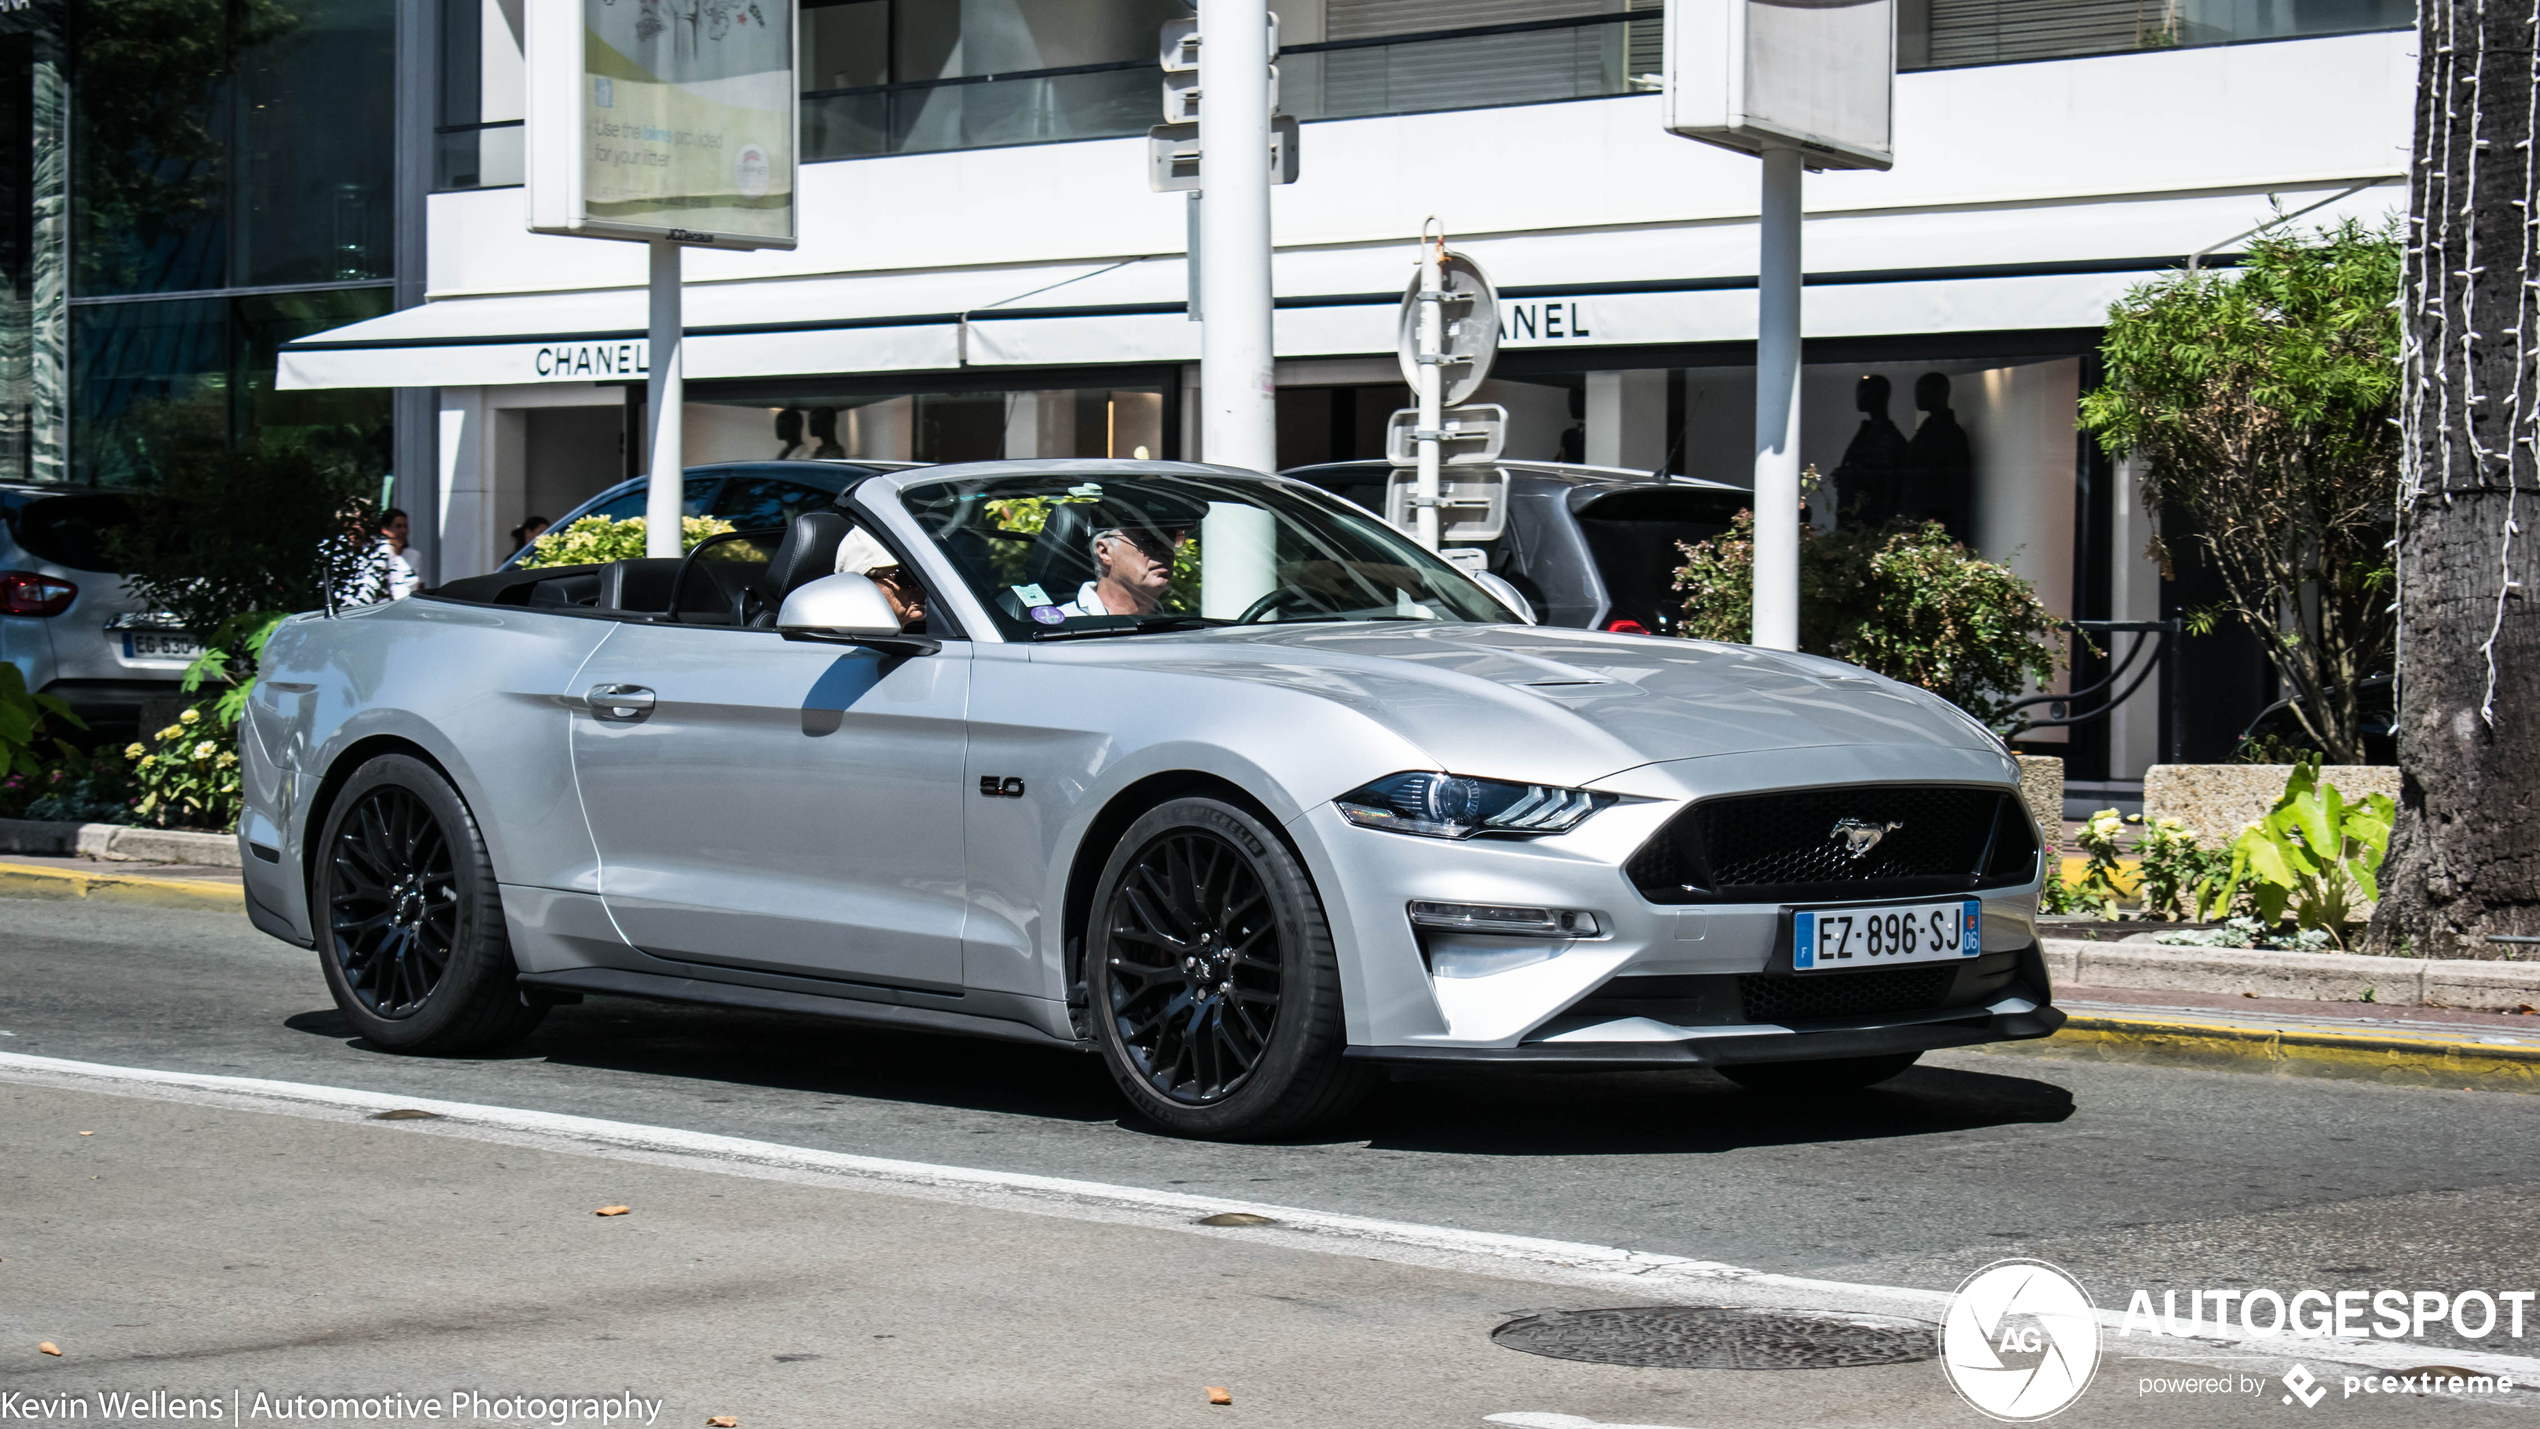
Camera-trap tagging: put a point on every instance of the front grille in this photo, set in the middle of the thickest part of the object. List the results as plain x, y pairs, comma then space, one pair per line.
1789, 997
1792, 846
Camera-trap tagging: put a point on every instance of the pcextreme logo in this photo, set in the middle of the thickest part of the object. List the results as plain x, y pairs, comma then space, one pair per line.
2020, 1341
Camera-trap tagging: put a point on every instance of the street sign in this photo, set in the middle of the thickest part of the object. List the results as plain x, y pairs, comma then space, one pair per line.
1818, 77
1173, 147
1471, 310
1472, 503
1173, 155
1467, 436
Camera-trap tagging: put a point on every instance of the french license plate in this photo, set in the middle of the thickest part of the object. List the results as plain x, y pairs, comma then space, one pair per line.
1824, 939
160, 645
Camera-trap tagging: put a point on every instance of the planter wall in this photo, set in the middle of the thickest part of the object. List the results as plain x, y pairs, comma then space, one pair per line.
2042, 785
2219, 800
117, 843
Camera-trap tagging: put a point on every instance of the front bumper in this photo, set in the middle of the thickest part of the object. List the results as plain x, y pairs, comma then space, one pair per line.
1418, 996
2013, 1017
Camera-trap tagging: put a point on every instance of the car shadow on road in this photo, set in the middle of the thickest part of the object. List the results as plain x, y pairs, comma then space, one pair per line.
1686, 1112
706, 1047
701, 1049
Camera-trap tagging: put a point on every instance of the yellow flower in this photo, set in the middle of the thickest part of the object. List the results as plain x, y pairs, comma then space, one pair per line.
190, 716
226, 759
149, 761
171, 732
206, 750
134, 751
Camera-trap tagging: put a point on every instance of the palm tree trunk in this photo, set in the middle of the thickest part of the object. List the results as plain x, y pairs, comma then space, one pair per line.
2465, 861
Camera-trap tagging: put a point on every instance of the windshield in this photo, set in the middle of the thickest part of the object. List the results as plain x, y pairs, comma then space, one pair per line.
1070, 555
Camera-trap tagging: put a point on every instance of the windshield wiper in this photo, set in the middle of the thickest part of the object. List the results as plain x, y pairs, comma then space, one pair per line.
1143, 625
1328, 619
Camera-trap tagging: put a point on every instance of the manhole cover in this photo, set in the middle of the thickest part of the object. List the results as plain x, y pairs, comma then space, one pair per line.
1718, 1337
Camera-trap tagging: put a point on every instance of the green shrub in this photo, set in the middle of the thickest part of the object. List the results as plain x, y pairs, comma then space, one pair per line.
598, 540
84, 789
2175, 864
1902, 600
2314, 857
23, 714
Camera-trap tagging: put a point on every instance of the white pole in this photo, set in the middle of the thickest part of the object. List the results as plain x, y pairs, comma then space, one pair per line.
1238, 415
1191, 260
1777, 407
1424, 491
663, 394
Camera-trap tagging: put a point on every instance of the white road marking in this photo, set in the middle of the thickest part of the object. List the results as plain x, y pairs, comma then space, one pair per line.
1649, 1278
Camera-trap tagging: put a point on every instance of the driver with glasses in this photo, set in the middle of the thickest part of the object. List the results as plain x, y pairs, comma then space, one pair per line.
1132, 567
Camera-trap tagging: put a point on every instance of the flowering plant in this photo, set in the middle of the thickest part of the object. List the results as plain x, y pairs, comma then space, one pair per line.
188, 774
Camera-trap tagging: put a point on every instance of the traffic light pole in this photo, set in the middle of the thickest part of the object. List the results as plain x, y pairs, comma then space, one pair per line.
1777, 406
1238, 413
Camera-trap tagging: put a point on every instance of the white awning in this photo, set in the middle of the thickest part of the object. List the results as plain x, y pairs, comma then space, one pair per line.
1876, 274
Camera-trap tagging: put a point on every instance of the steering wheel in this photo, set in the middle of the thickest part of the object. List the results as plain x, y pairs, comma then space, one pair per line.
1281, 599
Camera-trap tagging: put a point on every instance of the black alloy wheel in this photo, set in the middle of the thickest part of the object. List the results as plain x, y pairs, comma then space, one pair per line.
393, 913
1212, 978
409, 917
1194, 966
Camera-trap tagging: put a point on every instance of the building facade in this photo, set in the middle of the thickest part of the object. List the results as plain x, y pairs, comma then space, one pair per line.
984, 272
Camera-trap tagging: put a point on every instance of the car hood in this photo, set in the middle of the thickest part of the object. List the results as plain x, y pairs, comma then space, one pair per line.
1558, 705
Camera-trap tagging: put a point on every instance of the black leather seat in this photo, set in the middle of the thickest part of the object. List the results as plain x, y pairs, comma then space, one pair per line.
808, 552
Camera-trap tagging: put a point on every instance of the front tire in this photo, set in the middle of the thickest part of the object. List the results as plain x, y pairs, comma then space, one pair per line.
1835, 1074
1211, 977
409, 918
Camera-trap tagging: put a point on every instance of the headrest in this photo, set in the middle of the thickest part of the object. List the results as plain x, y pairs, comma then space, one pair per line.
808, 552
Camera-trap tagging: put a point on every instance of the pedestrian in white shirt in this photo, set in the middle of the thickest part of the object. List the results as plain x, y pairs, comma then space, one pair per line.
397, 573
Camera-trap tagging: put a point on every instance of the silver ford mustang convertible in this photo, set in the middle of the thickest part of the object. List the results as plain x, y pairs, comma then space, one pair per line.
1209, 774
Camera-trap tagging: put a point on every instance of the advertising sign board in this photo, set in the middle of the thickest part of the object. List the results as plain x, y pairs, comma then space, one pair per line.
674, 119
1813, 75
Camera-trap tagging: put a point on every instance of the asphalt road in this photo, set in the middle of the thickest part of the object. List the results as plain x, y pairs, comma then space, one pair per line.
2130, 1176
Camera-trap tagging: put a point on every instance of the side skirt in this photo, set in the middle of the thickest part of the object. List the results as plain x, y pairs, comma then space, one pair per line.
620, 982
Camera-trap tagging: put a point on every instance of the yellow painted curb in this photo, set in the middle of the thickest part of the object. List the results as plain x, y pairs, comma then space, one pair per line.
23, 880
2426, 1060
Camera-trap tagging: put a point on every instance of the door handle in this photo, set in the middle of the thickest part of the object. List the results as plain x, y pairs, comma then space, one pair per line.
619, 704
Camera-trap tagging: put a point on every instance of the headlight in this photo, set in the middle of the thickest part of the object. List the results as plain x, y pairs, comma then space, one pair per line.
1453, 806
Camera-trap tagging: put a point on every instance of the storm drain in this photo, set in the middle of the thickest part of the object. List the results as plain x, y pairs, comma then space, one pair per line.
1718, 1337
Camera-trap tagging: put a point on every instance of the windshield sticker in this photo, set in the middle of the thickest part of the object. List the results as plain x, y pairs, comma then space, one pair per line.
1090, 490
1030, 594
1049, 615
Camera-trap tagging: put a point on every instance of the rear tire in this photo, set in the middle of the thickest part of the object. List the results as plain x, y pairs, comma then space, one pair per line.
1837, 1074
409, 919
1211, 979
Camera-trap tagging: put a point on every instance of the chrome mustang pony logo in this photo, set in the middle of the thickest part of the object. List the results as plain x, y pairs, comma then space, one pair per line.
1859, 836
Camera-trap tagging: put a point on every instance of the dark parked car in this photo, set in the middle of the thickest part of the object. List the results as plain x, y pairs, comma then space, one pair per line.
1591, 547
749, 494
66, 620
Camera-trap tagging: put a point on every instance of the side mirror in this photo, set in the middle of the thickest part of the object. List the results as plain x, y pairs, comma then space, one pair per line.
1506, 595
847, 610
